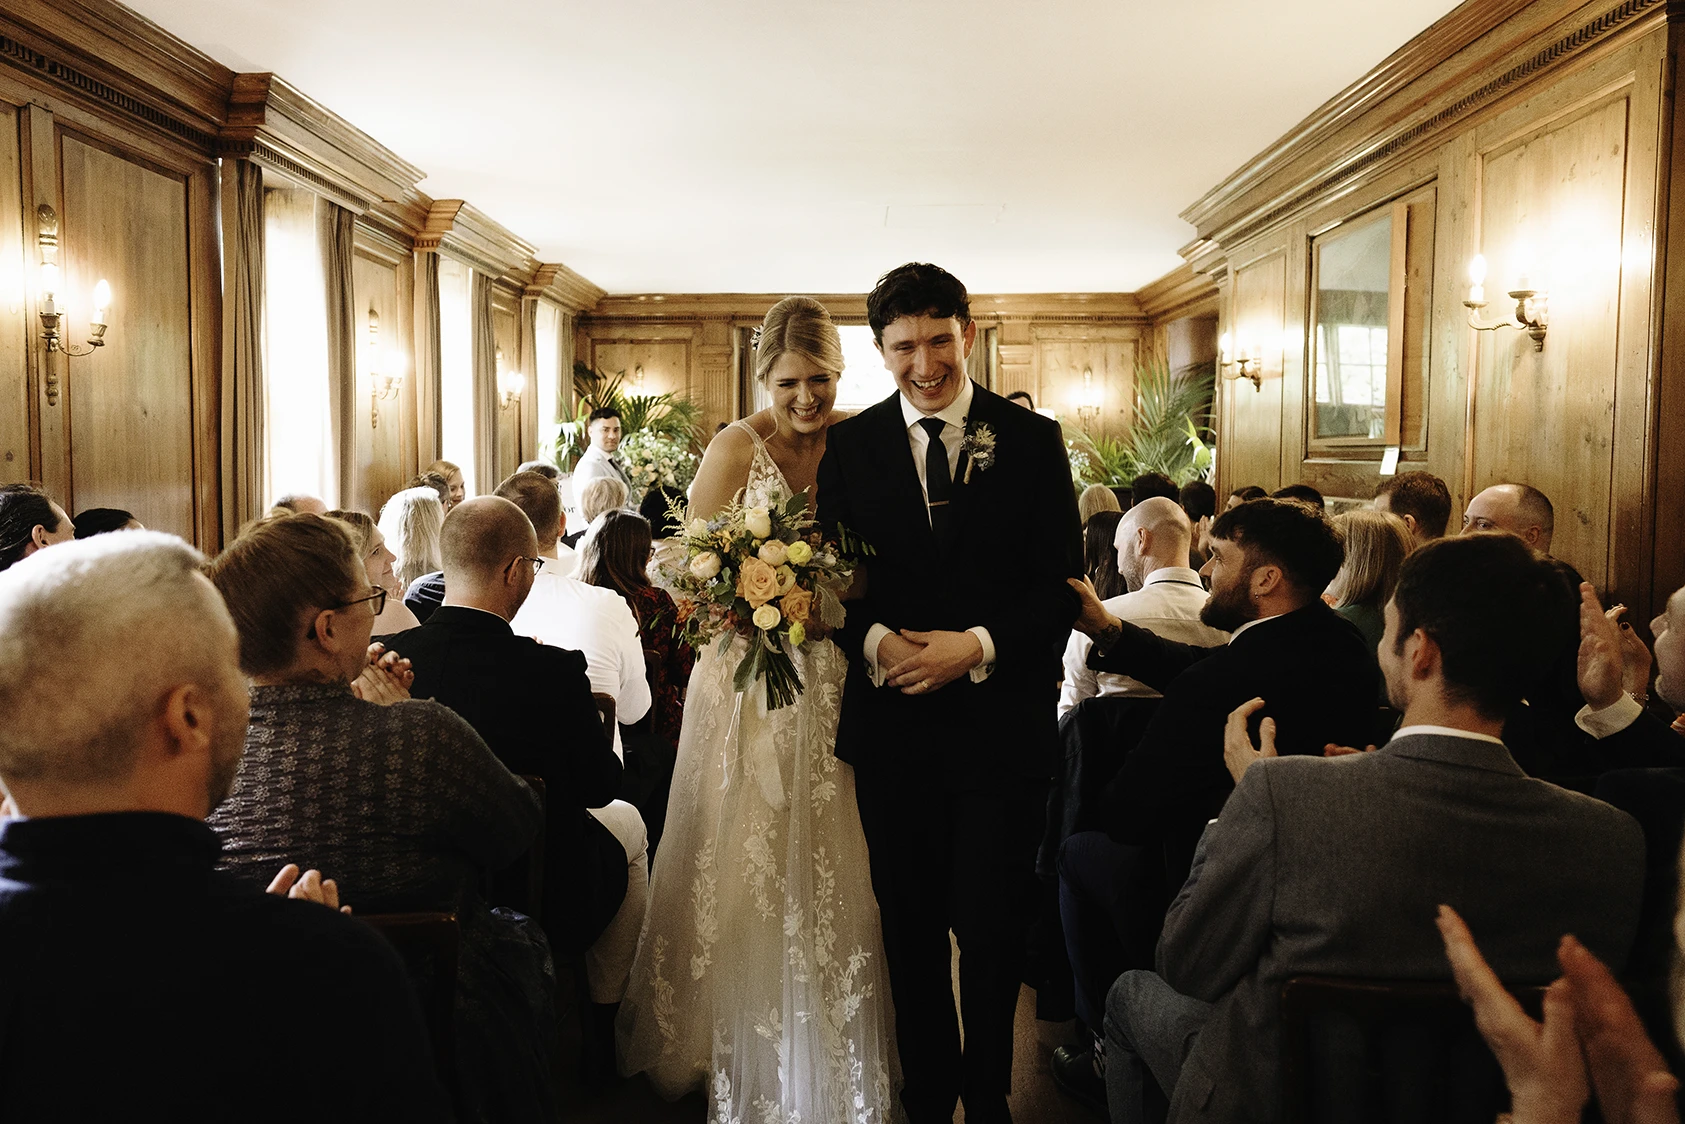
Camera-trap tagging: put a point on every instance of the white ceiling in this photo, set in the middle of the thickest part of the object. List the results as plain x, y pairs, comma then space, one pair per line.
769, 146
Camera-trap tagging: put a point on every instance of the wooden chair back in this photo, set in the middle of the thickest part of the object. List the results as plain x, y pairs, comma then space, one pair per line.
605, 708
429, 944
520, 886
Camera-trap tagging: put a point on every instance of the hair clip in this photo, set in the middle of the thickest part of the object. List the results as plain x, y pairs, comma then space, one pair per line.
755, 338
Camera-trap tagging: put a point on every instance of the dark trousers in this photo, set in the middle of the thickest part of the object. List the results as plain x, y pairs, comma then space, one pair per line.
1111, 901
963, 861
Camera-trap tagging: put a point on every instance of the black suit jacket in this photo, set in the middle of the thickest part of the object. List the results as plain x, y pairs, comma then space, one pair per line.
1004, 727
532, 704
1311, 667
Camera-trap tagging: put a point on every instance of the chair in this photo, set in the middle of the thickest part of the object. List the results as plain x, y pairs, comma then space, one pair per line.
520, 885
1402, 1051
428, 944
605, 708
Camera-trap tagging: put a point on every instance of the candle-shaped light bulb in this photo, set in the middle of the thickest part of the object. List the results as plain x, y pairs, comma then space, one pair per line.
1477, 279
49, 280
1223, 350
102, 300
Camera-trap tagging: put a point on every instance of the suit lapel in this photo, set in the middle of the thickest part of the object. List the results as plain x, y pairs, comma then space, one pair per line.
966, 495
903, 497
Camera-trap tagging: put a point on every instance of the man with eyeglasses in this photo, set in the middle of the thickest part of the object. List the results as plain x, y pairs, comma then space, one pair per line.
532, 704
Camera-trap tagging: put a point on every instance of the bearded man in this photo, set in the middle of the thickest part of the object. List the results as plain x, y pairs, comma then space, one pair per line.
1270, 561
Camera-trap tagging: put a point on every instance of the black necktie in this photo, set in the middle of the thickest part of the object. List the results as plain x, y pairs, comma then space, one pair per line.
938, 484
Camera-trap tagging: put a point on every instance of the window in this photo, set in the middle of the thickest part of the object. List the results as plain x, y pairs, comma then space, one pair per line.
1368, 346
456, 368
300, 454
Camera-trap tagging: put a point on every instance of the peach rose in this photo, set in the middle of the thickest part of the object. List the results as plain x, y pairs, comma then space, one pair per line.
757, 583
798, 604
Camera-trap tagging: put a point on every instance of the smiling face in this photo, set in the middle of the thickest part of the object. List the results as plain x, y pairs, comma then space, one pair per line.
1669, 631
802, 393
605, 434
377, 560
927, 357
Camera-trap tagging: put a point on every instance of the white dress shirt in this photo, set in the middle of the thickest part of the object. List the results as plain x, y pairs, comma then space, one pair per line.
953, 434
594, 464
566, 613
1167, 605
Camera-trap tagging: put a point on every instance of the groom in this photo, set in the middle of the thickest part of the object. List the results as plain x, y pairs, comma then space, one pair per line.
954, 662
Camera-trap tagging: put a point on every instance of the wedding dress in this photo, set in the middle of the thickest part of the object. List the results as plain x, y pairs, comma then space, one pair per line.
760, 972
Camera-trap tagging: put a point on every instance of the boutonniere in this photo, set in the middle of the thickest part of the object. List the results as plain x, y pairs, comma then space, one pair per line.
979, 449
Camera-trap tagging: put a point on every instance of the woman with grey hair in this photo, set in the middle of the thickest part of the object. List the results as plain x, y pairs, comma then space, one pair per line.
410, 524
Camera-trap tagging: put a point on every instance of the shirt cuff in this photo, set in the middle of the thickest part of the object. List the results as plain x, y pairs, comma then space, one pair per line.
987, 668
1612, 719
874, 637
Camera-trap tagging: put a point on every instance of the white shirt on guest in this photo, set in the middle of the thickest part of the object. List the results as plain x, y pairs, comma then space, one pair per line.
1167, 605
566, 613
594, 464
565, 562
953, 435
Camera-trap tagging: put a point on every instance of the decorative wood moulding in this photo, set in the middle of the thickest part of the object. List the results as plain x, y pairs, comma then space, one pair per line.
851, 307
465, 232
1178, 293
273, 123
1467, 62
559, 284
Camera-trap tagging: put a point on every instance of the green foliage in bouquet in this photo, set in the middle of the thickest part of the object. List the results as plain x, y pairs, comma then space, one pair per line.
676, 421
652, 458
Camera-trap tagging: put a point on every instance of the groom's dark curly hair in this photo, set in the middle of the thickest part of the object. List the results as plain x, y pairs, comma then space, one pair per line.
916, 289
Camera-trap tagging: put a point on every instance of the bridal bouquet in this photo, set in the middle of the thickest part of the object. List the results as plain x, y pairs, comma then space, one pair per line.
763, 573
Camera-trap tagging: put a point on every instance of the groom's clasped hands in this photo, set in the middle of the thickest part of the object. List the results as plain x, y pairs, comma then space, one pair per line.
922, 662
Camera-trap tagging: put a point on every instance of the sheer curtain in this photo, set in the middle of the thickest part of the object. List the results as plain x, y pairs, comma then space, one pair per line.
547, 373
338, 233
456, 370
301, 440
485, 383
242, 345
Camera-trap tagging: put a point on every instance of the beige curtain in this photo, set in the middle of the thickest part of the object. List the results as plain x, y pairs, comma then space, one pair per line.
529, 368
485, 385
566, 325
243, 484
338, 237
427, 358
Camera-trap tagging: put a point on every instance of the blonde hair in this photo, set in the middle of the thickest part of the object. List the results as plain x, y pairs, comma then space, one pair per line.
1376, 543
411, 522
1094, 499
800, 325
360, 526
602, 494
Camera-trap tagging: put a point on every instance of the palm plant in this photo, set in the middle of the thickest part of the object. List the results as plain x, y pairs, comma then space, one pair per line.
1170, 431
665, 415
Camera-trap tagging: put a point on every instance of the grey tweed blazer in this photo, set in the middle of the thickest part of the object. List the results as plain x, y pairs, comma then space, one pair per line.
1337, 866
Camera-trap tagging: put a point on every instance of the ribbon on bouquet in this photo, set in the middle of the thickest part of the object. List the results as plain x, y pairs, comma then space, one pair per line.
760, 757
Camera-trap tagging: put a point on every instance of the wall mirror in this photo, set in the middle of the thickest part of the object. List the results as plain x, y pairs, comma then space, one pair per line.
1358, 329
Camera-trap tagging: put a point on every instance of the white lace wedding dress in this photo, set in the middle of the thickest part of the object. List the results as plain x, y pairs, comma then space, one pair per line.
760, 973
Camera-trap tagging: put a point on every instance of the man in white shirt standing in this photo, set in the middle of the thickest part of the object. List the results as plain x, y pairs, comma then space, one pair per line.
567, 613
1153, 542
599, 462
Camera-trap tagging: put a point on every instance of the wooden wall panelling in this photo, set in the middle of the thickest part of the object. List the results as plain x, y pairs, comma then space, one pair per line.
506, 326
16, 461
713, 384
1063, 353
1666, 517
1251, 439
386, 433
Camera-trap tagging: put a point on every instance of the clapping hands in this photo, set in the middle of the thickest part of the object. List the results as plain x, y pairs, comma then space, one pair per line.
310, 887
386, 679
1612, 658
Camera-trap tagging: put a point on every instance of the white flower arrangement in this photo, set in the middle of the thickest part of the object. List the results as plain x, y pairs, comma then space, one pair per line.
652, 459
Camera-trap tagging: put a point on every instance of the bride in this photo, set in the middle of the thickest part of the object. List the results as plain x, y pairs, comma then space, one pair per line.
760, 972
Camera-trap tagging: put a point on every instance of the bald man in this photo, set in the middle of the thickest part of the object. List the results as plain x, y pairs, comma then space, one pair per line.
1519, 509
532, 704
1153, 544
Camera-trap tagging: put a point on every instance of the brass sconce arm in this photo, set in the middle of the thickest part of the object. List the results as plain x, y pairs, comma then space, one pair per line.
1532, 315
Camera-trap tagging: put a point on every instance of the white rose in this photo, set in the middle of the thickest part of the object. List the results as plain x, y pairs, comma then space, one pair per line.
758, 522
767, 616
705, 565
772, 552
799, 553
698, 528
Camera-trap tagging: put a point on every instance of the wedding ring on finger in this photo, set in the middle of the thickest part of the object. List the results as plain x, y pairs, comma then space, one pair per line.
924, 684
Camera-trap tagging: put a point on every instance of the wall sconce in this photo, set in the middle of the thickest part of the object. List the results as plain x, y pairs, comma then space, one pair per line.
1532, 311
1247, 366
51, 315
1088, 409
510, 384
384, 384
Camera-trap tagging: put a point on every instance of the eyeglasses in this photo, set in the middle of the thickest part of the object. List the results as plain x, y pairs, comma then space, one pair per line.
378, 597
537, 563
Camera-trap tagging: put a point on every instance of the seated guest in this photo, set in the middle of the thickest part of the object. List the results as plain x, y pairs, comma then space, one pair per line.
1245, 495
1441, 814
1022, 397
29, 521
1302, 493
300, 503
617, 558
1421, 499
1270, 562
93, 521
370, 546
1376, 543
568, 613
1518, 509
665, 526
543, 468
599, 496
434, 481
1151, 553
1199, 500
404, 803
1099, 554
532, 704
455, 487
410, 524
144, 984
1149, 484
1094, 499
1626, 735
